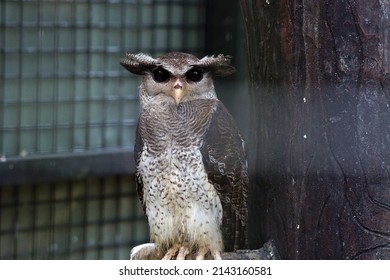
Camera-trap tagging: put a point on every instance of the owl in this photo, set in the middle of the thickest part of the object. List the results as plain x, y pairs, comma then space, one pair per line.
191, 167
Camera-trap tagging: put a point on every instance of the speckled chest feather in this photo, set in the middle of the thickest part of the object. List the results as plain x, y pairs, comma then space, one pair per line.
177, 193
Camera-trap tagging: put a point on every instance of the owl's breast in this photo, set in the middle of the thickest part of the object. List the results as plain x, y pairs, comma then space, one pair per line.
166, 125
171, 163
175, 181
176, 190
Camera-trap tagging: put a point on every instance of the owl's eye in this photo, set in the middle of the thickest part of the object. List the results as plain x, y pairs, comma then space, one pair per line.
194, 75
161, 75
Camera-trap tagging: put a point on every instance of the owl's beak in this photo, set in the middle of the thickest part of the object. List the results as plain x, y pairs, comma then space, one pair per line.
177, 92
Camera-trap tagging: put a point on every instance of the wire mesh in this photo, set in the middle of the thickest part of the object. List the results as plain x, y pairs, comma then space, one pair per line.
63, 90
63, 93
95, 218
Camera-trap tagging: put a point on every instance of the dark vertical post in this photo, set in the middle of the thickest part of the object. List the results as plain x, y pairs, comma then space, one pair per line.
320, 126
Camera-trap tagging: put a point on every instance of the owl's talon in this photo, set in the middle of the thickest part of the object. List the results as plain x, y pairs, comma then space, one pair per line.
201, 254
183, 252
217, 255
171, 253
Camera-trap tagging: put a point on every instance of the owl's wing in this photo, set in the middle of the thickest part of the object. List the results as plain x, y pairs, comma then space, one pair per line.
138, 146
223, 152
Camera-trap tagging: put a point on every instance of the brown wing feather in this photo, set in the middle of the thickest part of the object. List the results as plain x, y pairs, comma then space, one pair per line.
138, 146
224, 158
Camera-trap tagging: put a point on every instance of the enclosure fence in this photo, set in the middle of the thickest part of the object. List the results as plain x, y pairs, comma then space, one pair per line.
68, 113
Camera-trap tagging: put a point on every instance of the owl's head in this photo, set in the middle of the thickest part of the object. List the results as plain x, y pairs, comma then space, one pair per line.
179, 76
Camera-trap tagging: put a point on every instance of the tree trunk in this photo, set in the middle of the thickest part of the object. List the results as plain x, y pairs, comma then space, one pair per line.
320, 120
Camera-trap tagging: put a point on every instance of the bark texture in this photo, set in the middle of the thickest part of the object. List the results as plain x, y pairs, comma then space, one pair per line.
320, 121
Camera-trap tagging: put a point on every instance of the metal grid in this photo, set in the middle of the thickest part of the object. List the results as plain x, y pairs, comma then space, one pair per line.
63, 90
64, 100
96, 218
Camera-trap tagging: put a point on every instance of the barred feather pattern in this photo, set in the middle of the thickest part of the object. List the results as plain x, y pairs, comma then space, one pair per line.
192, 174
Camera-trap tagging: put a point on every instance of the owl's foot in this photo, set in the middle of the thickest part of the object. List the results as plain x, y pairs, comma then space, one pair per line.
171, 252
202, 253
217, 255
149, 251
181, 251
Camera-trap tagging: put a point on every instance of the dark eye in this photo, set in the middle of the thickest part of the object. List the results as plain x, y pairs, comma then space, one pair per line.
194, 75
161, 75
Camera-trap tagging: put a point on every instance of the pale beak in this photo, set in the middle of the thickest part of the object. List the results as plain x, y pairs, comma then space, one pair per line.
177, 92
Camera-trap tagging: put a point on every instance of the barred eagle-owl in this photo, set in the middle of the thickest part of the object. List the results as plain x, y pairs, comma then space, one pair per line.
191, 168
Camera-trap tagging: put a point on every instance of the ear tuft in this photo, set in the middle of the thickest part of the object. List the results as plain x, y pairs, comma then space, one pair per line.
218, 65
138, 63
